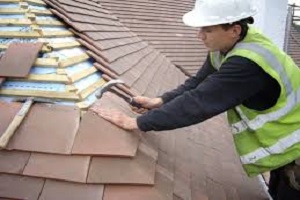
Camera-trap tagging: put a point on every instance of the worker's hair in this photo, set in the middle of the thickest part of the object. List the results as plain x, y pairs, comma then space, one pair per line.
243, 23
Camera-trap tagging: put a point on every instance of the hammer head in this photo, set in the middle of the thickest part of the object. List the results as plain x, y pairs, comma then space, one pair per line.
106, 87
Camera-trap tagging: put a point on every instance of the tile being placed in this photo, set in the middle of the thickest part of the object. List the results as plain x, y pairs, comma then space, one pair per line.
70, 168
7, 113
19, 58
13, 161
20, 187
71, 191
47, 128
139, 170
96, 136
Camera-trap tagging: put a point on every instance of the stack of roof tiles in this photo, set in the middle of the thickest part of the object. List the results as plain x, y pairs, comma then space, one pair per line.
294, 45
61, 152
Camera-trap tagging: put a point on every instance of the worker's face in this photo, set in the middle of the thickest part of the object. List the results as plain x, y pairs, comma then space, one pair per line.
215, 38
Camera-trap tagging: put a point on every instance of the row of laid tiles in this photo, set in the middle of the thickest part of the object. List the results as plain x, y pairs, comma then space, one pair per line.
105, 170
57, 129
19, 187
120, 56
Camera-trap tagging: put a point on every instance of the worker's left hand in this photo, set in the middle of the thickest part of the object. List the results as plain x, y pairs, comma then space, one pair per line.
117, 118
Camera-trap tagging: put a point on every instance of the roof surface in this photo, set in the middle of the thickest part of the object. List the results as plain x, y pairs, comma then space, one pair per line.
294, 45
63, 152
160, 23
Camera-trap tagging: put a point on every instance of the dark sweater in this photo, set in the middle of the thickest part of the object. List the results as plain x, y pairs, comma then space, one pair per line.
211, 92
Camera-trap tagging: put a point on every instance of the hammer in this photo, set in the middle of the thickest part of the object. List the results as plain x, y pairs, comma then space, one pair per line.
17, 120
112, 83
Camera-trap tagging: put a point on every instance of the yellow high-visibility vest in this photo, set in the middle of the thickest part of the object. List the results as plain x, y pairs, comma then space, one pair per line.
268, 139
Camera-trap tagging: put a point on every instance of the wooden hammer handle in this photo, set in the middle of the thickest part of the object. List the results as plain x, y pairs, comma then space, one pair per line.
15, 123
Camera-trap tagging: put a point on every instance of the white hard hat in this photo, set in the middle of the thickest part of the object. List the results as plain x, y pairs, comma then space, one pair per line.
215, 12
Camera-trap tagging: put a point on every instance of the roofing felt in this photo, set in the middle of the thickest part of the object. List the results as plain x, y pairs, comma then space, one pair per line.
68, 153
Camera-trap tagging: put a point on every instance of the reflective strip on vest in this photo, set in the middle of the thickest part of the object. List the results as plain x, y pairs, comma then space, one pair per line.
282, 145
260, 120
292, 98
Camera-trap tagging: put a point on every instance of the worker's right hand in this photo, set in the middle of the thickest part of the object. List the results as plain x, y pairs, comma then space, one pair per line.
146, 103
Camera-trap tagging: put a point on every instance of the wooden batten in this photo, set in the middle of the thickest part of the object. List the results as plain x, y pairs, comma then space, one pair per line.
15, 22
41, 12
42, 94
34, 34
65, 45
52, 78
71, 88
92, 88
45, 48
12, 11
9, 1
73, 60
46, 62
36, 2
82, 74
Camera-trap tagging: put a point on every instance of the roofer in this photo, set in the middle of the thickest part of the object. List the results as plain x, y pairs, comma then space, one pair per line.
246, 75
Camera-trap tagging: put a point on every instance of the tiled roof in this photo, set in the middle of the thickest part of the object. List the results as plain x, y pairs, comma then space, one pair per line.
62, 152
294, 45
160, 23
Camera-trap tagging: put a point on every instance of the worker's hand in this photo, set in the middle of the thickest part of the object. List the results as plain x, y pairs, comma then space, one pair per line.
146, 103
117, 118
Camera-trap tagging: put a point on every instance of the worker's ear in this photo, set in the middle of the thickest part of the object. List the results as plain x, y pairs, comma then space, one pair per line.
236, 31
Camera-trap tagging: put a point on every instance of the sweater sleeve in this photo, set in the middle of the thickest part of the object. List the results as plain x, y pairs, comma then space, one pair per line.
191, 82
220, 91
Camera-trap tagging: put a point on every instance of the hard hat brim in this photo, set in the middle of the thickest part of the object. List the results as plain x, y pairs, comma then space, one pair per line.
195, 19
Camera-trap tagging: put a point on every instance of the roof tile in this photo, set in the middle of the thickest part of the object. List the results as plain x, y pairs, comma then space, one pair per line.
24, 53
47, 128
13, 161
137, 170
19, 187
71, 191
96, 136
70, 168
8, 112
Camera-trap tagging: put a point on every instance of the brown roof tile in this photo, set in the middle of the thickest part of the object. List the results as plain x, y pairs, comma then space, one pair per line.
8, 112
18, 187
47, 128
137, 170
13, 161
71, 191
19, 58
138, 70
125, 63
96, 136
147, 77
160, 23
70, 168
115, 192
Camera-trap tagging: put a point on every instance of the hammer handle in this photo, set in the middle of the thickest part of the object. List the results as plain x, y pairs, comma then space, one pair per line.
15, 123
